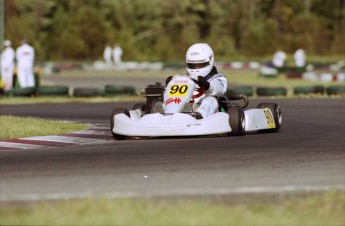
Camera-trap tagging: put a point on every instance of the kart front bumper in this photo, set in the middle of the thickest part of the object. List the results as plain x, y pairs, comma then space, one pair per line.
177, 124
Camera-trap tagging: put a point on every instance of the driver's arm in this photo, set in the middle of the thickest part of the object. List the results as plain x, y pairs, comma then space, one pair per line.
218, 85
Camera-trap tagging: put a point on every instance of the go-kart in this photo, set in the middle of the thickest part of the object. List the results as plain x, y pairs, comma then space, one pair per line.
171, 111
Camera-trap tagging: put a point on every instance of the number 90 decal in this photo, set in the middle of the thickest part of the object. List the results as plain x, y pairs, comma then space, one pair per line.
178, 90
269, 118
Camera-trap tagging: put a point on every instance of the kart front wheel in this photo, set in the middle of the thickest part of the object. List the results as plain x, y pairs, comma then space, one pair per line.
277, 114
237, 121
112, 123
140, 106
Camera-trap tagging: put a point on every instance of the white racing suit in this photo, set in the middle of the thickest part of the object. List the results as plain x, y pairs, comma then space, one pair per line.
107, 55
218, 87
25, 55
7, 66
117, 53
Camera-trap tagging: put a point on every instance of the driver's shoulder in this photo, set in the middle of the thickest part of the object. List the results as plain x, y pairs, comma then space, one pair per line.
217, 76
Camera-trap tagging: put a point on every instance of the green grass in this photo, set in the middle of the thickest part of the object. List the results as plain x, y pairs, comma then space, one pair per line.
42, 100
321, 209
18, 127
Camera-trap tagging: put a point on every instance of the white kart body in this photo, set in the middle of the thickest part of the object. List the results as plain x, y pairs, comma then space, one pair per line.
174, 123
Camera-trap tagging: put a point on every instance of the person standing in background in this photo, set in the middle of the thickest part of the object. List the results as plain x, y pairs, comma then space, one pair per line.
278, 61
7, 64
25, 56
107, 54
299, 57
117, 53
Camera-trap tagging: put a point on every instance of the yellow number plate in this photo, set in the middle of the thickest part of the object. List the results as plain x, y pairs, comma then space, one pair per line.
178, 90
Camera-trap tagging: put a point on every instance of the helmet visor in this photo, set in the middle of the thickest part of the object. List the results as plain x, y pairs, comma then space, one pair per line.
197, 65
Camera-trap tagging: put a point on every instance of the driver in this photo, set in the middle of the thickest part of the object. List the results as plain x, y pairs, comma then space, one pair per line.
200, 67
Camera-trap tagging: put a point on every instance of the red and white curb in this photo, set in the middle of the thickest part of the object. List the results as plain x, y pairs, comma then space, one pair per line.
89, 136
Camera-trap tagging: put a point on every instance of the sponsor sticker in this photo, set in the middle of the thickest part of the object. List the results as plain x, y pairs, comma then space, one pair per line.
181, 81
175, 100
269, 118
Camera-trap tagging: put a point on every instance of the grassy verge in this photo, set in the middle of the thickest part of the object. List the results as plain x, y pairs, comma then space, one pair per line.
18, 127
41, 100
322, 209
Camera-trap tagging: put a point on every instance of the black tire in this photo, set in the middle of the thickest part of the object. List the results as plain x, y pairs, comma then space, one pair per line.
87, 92
277, 114
308, 90
52, 91
236, 121
140, 106
335, 90
114, 90
157, 106
273, 91
154, 105
237, 97
246, 90
23, 92
112, 123
129, 90
319, 89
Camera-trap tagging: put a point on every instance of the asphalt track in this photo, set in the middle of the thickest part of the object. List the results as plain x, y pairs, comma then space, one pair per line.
307, 155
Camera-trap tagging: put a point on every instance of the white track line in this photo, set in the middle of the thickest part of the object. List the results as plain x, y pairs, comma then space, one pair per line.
220, 191
92, 132
19, 145
65, 139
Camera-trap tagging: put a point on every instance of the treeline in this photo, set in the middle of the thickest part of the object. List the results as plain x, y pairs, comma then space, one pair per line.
163, 29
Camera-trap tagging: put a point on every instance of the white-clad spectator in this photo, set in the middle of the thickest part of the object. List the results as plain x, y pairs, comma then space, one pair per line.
117, 53
279, 58
7, 64
107, 54
25, 56
299, 57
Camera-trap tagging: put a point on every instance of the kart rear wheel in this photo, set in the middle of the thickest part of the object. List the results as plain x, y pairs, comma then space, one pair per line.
277, 114
237, 121
141, 107
112, 123
155, 105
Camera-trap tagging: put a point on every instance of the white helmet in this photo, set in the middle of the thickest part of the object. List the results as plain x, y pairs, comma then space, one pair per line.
7, 43
199, 59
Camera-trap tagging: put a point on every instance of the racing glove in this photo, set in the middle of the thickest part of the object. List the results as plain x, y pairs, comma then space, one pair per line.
168, 80
202, 81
